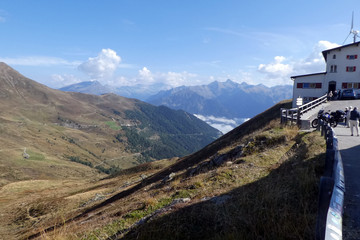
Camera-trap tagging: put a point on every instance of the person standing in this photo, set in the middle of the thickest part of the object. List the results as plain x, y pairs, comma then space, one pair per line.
330, 96
335, 95
354, 121
348, 117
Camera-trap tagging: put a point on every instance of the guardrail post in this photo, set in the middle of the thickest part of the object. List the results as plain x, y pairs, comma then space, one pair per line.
331, 191
326, 188
298, 117
301, 109
329, 162
323, 130
320, 123
329, 139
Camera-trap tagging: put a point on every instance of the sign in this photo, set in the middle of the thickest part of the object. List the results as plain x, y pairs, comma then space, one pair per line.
299, 101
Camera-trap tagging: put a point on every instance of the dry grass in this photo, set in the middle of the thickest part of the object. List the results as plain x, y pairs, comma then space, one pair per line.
270, 194
273, 202
267, 192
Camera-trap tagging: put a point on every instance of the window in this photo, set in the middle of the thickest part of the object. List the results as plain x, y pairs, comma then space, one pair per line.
334, 56
309, 85
347, 85
351, 69
333, 68
351, 57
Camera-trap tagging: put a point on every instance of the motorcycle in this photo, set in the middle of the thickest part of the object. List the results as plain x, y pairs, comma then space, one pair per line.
339, 116
332, 118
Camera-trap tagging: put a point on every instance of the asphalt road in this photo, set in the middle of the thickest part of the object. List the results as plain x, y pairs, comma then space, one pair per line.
350, 153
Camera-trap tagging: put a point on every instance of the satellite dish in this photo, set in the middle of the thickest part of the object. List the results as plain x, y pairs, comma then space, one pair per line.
352, 31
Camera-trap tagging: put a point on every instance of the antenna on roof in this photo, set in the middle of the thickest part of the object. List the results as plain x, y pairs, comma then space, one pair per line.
352, 31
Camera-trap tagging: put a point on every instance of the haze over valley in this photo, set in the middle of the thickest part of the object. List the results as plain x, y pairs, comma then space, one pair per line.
223, 105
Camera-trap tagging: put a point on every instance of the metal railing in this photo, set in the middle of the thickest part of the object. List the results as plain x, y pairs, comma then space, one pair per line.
332, 189
294, 114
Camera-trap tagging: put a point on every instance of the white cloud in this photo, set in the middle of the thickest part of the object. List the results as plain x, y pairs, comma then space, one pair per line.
221, 123
170, 79
276, 68
145, 75
175, 79
281, 69
38, 61
315, 61
101, 66
63, 80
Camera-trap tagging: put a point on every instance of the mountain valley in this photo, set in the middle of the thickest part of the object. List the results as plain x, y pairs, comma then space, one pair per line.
65, 134
248, 184
223, 105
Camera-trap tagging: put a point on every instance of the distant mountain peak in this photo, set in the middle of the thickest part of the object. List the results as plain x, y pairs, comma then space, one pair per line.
227, 99
91, 87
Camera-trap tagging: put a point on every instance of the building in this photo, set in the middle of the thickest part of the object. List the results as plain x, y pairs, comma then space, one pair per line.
342, 72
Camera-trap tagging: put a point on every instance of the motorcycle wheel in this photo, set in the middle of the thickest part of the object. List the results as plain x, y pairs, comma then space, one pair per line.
315, 123
334, 124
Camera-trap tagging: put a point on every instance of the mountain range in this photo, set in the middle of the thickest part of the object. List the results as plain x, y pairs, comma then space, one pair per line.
65, 132
138, 91
258, 181
223, 99
223, 105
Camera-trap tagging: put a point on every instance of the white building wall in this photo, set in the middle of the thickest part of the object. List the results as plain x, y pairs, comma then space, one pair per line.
308, 94
341, 75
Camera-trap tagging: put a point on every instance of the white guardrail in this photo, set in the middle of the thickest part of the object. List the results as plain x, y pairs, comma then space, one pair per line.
294, 114
332, 189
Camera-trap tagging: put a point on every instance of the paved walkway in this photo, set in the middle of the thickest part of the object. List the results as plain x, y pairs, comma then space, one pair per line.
350, 153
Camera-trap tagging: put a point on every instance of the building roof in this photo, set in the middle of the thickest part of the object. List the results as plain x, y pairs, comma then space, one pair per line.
306, 75
325, 52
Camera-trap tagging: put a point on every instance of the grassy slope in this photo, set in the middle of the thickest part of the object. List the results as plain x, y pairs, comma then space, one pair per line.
58, 128
267, 192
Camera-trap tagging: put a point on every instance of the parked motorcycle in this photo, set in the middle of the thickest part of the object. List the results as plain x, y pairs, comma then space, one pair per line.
339, 116
332, 118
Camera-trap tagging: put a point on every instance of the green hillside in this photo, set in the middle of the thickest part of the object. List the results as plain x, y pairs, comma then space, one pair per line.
259, 181
81, 136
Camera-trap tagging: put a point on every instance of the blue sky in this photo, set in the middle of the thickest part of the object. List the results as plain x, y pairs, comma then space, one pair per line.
126, 42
